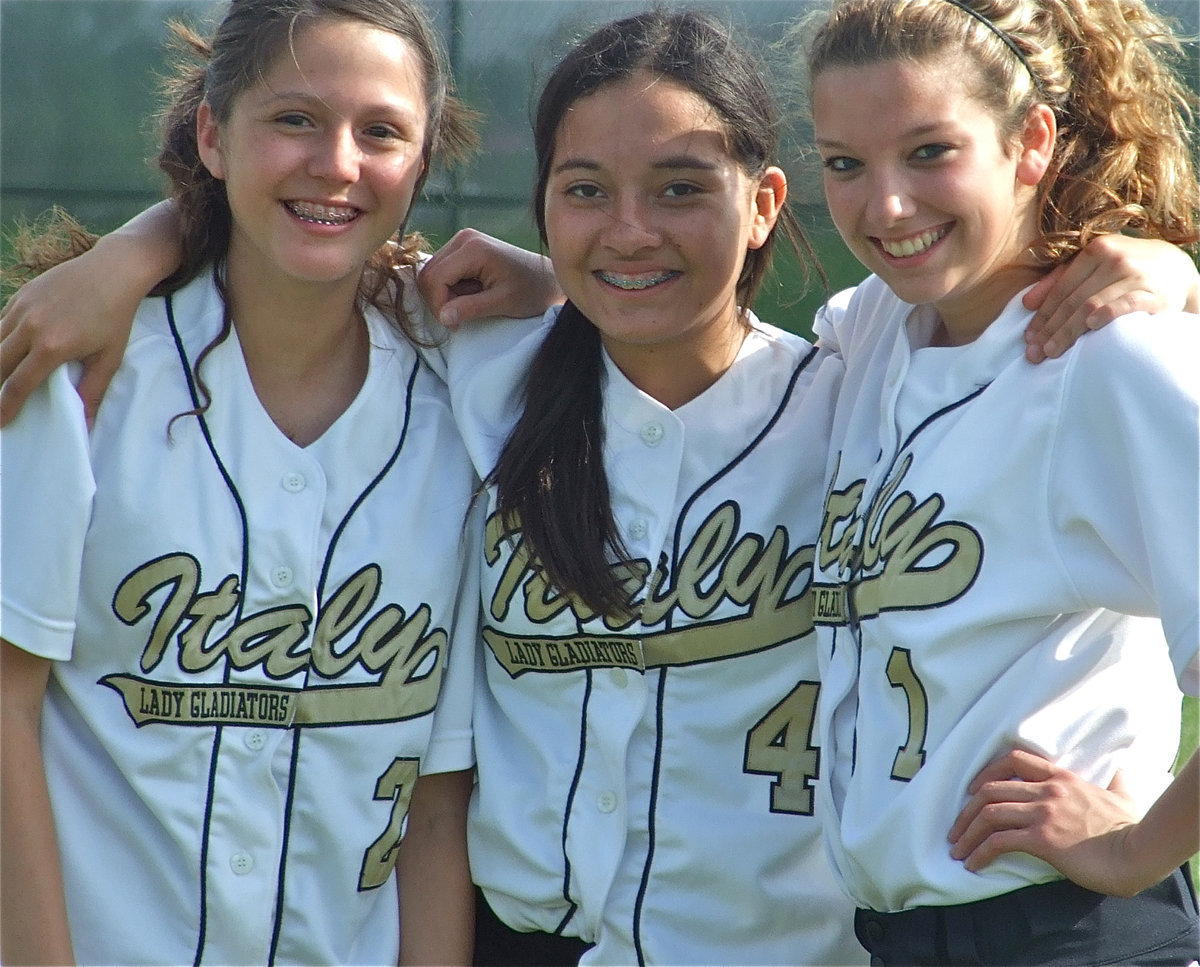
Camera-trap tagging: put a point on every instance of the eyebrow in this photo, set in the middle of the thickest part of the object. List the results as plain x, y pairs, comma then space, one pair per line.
919, 131
272, 98
671, 163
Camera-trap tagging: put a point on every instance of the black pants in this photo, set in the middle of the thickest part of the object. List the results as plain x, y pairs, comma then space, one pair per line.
499, 945
1053, 923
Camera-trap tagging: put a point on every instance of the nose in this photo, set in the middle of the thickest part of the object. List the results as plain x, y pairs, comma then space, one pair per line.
889, 200
337, 155
630, 227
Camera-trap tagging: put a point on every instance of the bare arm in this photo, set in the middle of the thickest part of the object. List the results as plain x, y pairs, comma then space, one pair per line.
437, 901
1024, 803
33, 908
83, 309
1113, 276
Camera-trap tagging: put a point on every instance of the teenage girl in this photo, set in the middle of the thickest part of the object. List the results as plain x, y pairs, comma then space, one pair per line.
230, 608
644, 743
991, 529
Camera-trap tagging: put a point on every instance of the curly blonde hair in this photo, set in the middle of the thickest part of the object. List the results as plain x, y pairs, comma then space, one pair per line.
1124, 158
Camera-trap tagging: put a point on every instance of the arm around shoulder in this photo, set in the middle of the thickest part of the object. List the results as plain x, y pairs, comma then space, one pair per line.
82, 309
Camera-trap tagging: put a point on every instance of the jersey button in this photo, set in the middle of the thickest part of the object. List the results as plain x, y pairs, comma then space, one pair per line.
255, 739
652, 433
293, 483
281, 576
606, 802
620, 677
241, 863
638, 529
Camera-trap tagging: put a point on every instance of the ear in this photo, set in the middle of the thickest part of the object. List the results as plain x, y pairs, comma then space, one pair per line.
1037, 144
208, 141
769, 197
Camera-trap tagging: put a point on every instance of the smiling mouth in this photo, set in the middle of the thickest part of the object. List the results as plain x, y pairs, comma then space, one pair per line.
322, 214
633, 283
905, 248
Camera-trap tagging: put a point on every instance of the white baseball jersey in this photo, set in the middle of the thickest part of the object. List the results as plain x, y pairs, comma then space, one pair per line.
648, 786
248, 638
989, 527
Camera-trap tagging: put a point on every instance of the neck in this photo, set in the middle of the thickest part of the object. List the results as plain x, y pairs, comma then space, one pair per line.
964, 319
676, 373
306, 350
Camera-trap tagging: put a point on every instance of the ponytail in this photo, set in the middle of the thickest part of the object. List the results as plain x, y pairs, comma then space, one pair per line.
550, 477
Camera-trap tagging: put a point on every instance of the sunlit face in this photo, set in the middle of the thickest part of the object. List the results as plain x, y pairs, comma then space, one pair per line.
922, 189
320, 159
649, 218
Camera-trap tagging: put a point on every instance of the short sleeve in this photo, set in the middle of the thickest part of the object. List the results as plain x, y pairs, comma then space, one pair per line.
48, 486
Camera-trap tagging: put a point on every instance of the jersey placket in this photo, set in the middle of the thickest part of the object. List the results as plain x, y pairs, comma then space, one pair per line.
252, 767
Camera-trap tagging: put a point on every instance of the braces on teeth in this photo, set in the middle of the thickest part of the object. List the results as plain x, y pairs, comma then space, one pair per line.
634, 284
320, 215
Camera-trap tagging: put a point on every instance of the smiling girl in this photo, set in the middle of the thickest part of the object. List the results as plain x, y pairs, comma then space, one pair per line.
653, 456
231, 607
993, 530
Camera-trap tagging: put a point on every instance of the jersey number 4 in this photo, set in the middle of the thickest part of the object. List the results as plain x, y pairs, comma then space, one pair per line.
780, 745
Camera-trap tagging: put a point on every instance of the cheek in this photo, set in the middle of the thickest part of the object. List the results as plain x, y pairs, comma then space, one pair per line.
839, 199
564, 234
401, 176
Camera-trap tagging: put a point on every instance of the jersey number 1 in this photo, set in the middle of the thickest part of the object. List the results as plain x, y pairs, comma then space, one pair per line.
910, 756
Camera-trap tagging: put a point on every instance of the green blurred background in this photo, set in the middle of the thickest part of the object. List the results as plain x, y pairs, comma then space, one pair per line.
78, 88
78, 83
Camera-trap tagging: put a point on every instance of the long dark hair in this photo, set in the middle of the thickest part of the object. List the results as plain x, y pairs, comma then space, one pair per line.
550, 477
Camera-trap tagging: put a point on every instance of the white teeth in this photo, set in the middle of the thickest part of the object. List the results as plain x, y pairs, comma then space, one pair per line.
635, 282
322, 214
913, 246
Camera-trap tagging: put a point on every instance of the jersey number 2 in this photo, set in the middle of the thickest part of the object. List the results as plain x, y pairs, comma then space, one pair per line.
395, 784
780, 745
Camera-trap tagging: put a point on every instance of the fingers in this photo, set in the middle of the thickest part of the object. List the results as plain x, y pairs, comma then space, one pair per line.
14, 345
1016, 764
1035, 298
979, 814
1066, 295
26, 364
1000, 797
503, 279
1113, 276
1118, 785
20, 380
1019, 838
93, 384
453, 271
479, 304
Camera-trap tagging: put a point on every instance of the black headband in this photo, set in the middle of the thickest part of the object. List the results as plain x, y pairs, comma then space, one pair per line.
1004, 38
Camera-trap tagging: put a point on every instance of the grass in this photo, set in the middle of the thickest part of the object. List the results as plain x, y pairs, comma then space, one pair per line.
1188, 728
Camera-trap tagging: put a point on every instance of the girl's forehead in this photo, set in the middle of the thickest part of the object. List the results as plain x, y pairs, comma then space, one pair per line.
638, 110
346, 62
885, 93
